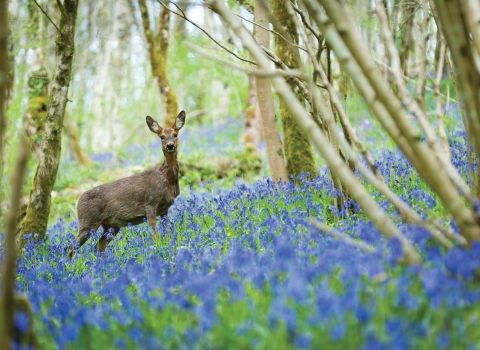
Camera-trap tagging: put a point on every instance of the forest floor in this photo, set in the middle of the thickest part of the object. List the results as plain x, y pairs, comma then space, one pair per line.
239, 266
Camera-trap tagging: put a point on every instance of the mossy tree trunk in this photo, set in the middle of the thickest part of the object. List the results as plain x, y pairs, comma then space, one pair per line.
297, 147
38, 209
4, 72
157, 47
34, 123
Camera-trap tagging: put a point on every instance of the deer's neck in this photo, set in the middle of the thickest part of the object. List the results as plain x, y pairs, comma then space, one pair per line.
170, 170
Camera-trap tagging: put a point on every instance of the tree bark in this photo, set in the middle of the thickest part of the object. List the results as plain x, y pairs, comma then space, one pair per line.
273, 143
157, 54
7, 306
457, 37
297, 147
38, 208
4, 73
251, 135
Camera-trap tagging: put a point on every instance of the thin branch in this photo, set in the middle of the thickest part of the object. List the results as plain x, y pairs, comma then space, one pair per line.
182, 14
60, 6
413, 81
341, 236
301, 87
438, 103
306, 24
401, 26
260, 72
271, 31
40, 7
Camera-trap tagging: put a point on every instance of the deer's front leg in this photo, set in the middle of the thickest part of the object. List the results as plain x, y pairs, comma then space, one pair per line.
152, 220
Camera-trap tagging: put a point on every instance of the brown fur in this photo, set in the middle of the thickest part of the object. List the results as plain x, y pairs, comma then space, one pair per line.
132, 199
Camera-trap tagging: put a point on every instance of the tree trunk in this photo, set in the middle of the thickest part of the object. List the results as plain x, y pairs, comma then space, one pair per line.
157, 53
7, 306
34, 122
273, 143
4, 72
298, 150
252, 129
38, 208
406, 35
74, 144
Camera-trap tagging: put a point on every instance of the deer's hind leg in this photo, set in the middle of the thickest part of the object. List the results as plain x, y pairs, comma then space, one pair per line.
105, 239
84, 229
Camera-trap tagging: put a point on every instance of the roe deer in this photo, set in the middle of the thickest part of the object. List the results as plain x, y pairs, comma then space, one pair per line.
134, 198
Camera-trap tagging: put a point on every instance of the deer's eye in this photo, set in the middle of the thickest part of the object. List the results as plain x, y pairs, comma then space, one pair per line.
174, 135
162, 137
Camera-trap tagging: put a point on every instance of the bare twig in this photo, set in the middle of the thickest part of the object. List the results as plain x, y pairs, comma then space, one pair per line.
270, 30
182, 14
307, 24
301, 87
436, 87
41, 9
60, 6
288, 73
341, 236
386, 66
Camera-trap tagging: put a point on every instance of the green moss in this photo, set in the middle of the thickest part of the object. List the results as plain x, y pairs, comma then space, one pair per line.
297, 147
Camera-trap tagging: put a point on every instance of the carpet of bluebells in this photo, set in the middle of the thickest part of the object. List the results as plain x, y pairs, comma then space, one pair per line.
242, 268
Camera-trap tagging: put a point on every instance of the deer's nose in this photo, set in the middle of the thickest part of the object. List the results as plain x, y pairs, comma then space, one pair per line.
170, 146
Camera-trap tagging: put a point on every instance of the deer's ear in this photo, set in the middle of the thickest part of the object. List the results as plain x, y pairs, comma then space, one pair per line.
153, 125
179, 121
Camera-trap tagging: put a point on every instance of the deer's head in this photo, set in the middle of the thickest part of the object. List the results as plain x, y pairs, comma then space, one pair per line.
167, 135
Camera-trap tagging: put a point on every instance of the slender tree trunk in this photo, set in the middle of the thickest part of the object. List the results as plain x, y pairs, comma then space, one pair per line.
4, 73
7, 306
457, 37
297, 147
157, 54
74, 144
252, 129
38, 208
273, 143
406, 34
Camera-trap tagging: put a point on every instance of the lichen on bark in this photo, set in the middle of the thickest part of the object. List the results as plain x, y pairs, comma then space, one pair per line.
38, 210
297, 148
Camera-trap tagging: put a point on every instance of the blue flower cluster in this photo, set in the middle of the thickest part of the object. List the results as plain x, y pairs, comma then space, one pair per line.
243, 268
